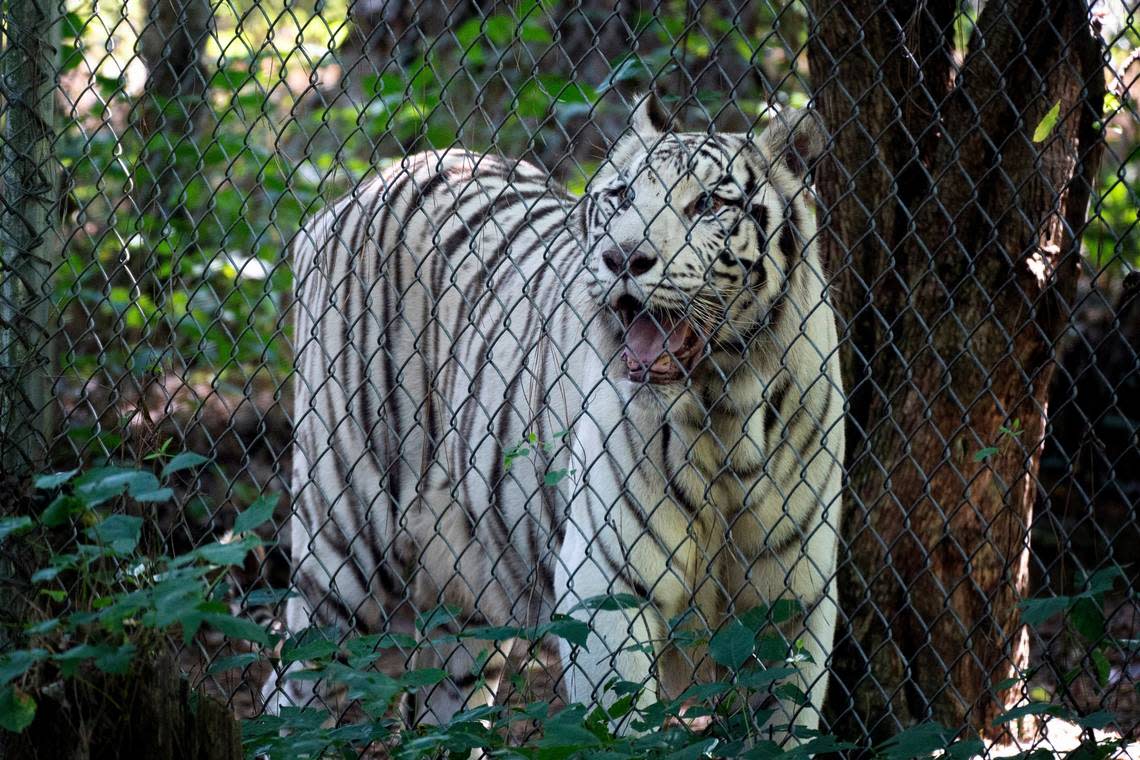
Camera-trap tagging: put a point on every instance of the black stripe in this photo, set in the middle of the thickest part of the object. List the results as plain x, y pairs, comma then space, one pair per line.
775, 405
674, 489
391, 402
319, 597
759, 214
790, 235
803, 528
620, 570
813, 440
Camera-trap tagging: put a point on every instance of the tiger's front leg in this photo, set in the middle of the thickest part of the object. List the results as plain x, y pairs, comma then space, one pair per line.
623, 644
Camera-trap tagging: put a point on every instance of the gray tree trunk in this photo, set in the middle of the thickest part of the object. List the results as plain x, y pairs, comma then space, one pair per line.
29, 241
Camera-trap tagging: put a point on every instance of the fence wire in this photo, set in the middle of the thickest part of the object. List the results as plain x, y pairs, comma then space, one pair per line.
971, 171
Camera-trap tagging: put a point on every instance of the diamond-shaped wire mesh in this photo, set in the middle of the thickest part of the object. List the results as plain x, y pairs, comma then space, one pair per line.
603, 359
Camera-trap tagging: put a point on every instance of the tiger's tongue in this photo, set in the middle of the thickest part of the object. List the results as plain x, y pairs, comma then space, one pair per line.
648, 340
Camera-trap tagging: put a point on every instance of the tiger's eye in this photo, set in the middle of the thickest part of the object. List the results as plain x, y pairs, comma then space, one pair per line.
625, 195
706, 203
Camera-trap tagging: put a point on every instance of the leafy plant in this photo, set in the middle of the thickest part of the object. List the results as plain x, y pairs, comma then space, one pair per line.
108, 601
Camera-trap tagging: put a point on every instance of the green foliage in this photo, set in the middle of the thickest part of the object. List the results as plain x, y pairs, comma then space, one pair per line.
118, 603
530, 444
112, 601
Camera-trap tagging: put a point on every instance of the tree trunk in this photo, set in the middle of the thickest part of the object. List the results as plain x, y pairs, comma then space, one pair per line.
173, 101
29, 241
149, 713
953, 239
171, 45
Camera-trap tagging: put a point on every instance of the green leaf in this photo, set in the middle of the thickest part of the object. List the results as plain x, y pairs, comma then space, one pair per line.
103, 483
1037, 611
223, 664
917, 741
702, 692
733, 644
375, 690
609, 602
1096, 750
1008, 683
1033, 708
1102, 665
72, 26
60, 510
11, 526
791, 692
110, 659
1098, 719
15, 664
157, 495
117, 661
762, 678
554, 477
1103, 581
364, 650
217, 553
1047, 123
17, 709
268, 596
564, 627
965, 749
310, 644
230, 79
772, 648
183, 461
236, 628
1087, 617
439, 615
985, 453
534, 32
256, 514
55, 480
120, 532
43, 626
45, 574
415, 679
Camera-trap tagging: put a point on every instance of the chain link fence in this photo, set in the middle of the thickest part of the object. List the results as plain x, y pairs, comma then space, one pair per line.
974, 197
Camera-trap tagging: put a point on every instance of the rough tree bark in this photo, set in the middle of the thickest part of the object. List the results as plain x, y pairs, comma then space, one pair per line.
952, 239
173, 101
171, 44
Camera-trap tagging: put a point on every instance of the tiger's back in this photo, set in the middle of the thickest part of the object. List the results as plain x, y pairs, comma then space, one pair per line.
433, 333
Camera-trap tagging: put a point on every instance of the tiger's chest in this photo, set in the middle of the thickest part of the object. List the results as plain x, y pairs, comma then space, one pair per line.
719, 465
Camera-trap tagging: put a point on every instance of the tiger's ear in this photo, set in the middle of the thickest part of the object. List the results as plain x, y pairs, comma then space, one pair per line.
649, 116
794, 139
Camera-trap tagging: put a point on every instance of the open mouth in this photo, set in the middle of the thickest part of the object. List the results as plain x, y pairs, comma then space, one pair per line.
661, 345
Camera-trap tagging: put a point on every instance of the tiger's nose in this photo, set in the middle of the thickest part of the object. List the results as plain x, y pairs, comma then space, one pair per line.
637, 262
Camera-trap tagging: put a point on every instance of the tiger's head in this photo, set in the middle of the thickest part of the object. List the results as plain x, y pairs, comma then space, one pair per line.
692, 237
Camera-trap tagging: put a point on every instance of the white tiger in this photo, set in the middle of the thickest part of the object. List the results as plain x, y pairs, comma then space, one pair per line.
666, 340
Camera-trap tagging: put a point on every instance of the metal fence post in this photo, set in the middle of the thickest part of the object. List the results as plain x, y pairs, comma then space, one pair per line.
28, 243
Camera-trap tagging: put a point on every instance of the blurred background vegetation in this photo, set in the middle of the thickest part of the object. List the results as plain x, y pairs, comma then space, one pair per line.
192, 151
